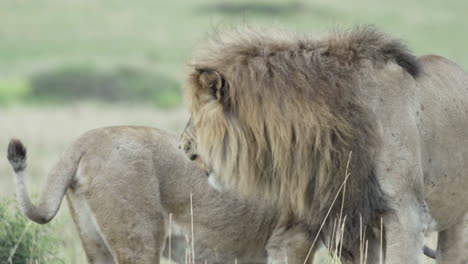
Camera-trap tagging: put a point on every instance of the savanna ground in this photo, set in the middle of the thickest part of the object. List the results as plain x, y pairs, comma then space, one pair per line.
70, 66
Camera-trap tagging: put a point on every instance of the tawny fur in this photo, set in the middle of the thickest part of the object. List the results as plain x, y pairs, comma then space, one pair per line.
122, 183
279, 115
299, 136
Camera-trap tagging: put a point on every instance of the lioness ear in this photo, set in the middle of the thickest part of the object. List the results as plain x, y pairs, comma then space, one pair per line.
213, 82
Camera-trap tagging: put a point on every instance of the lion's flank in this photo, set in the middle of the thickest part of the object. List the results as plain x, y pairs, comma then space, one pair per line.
290, 112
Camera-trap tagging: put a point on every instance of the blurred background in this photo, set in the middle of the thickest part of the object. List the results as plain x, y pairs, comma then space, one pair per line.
68, 66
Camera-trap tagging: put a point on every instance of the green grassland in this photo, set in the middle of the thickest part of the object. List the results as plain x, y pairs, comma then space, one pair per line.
43, 36
56, 56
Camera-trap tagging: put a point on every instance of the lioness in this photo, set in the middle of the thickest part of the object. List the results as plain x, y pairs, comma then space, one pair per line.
349, 126
121, 185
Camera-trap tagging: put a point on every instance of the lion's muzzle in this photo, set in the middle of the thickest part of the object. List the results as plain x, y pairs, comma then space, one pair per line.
189, 146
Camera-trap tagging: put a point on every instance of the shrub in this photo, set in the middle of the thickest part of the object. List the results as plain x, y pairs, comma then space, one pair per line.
122, 84
22, 241
13, 90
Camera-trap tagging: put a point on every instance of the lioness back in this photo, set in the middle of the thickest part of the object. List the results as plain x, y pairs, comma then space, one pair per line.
131, 179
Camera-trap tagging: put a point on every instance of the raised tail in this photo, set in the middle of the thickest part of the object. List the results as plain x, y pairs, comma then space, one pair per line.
58, 181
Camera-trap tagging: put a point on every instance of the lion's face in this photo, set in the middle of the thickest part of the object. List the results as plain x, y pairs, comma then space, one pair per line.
187, 141
210, 87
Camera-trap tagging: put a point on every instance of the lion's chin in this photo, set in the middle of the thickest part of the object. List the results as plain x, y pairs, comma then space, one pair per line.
214, 183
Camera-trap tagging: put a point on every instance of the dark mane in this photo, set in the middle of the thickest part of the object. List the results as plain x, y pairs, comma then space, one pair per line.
364, 42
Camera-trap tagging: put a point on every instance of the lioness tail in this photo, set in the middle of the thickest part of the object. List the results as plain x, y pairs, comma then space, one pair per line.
58, 181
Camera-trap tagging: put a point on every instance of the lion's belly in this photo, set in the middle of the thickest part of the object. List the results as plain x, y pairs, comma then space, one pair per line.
442, 119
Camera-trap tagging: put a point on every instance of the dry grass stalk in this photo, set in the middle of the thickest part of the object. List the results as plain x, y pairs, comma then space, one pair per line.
13, 251
191, 225
329, 210
170, 238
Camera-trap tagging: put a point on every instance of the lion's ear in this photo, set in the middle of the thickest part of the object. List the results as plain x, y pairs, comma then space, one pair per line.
214, 82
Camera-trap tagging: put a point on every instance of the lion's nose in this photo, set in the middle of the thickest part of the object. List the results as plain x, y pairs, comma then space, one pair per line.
193, 157
185, 146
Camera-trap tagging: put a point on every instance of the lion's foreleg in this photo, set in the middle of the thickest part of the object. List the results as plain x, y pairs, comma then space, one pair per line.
370, 251
400, 174
406, 221
404, 231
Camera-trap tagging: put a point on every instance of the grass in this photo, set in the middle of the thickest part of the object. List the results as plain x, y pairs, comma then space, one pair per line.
50, 34
21, 241
161, 34
120, 84
13, 90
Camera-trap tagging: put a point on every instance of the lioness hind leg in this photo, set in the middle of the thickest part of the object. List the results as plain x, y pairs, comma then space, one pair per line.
137, 238
92, 240
96, 251
452, 244
132, 233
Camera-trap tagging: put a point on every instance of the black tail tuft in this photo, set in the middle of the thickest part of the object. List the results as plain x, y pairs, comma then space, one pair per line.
17, 155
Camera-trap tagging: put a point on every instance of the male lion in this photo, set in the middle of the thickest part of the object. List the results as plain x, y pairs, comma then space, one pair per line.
286, 117
123, 182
